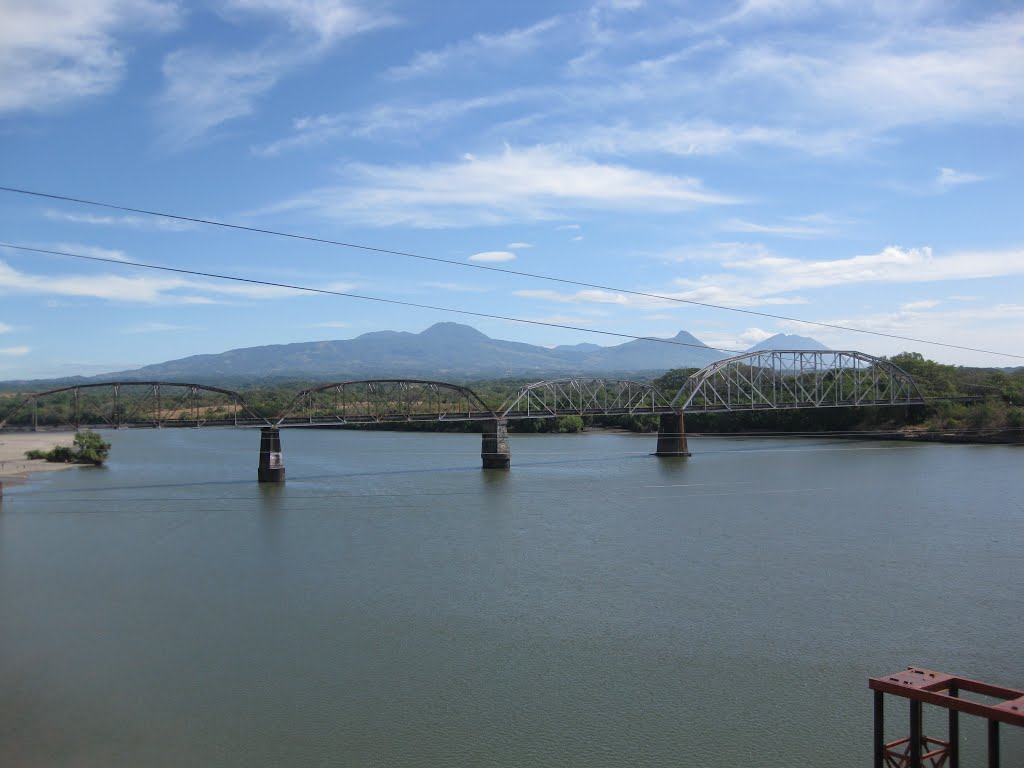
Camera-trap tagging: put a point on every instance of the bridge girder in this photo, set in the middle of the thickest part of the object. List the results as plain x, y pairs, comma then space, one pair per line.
785, 379
585, 397
377, 401
119, 404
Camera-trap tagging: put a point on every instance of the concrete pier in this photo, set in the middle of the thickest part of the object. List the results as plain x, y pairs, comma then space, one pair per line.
671, 436
494, 450
271, 469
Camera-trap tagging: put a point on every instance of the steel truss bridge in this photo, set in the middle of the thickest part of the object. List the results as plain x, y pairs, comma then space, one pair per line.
764, 380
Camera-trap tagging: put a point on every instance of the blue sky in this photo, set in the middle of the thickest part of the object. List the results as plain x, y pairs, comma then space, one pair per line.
848, 162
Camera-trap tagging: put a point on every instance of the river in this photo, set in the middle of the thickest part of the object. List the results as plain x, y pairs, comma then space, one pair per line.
393, 604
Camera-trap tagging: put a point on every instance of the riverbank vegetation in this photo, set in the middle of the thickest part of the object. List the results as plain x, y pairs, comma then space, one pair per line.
966, 401
88, 448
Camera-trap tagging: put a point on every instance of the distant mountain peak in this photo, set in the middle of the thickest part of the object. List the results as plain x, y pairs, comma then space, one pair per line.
453, 331
788, 341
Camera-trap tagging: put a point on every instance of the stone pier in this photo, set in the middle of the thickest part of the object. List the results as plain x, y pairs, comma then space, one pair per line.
672, 436
271, 469
494, 449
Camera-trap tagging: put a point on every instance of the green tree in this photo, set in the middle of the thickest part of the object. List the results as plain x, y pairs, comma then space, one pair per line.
90, 448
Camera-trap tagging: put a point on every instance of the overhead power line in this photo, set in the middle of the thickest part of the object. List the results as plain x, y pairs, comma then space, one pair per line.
487, 268
363, 297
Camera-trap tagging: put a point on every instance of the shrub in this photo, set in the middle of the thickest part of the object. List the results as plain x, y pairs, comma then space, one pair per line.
89, 448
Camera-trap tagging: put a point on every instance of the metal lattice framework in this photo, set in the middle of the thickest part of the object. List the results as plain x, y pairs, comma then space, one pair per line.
119, 404
783, 379
607, 397
385, 400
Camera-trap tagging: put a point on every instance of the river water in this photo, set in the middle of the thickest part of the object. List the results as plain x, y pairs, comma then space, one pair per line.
393, 604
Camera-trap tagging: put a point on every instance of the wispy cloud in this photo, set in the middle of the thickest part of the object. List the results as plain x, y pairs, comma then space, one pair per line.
531, 184
132, 222
54, 53
702, 138
15, 351
134, 289
206, 87
949, 178
595, 296
481, 49
771, 279
114, 254
157, 328
385, 121
331, 324
5, 328
963, 72
816, 225
458, 287
519, 246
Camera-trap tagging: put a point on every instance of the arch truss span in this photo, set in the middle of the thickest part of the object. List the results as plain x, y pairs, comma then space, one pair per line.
584, 397
783, 379
376, 401
123, 404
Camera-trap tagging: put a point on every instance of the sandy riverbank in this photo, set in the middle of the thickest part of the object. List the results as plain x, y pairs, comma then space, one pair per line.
15, 467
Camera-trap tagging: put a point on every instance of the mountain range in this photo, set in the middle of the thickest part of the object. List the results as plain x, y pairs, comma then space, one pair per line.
447, 351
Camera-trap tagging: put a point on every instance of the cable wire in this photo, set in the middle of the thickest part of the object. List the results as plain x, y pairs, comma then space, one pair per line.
502, 270
328, 292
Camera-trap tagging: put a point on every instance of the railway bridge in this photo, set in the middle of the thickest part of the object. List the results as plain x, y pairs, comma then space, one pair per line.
763, 380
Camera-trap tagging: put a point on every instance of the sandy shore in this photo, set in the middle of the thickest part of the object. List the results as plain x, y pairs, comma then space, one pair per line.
15, 467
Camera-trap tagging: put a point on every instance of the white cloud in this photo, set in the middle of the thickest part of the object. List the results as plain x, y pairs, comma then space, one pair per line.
768, 279
481, 48
519, 246
493, 256
949, 178
911, 306
892, 264
57, 52
594, 296
339, 287
15, 351
517, 185
753, 336
997, 324
5, 328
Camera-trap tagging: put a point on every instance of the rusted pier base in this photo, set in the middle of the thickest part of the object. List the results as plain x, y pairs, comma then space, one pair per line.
271, 469
923, 686
672, 436
494, 450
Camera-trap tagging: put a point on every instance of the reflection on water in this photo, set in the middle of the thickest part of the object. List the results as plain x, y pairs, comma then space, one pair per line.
394, 604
